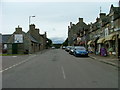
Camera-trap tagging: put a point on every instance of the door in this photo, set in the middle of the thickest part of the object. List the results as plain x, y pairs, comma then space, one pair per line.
14, 48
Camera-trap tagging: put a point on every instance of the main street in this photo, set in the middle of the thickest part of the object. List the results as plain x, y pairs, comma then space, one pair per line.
56, 68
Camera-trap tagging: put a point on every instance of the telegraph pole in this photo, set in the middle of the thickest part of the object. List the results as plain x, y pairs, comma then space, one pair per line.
100, 9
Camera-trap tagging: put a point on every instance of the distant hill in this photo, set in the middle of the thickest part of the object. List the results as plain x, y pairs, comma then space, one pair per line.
57, 45
57, 40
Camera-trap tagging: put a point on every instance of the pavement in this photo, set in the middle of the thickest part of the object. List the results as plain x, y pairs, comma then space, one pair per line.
114, 61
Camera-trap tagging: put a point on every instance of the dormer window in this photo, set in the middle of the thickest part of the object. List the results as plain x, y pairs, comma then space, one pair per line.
106, 32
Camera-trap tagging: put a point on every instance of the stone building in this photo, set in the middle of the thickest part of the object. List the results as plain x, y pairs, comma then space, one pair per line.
23, 43
41, 38
112, 32
77, 34
103, 33
20, 42
94, 34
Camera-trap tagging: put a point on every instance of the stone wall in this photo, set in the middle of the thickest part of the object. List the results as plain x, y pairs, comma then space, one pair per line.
21, 47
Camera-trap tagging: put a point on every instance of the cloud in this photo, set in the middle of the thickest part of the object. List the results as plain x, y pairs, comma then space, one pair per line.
58, 0
53, 18
53, 29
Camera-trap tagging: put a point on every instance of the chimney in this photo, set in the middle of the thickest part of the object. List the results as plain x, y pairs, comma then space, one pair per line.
32, 27
70, 24
97, 19
102, 15
80, 19
45, 35
37, 30
112, 6
18, 29
68, 27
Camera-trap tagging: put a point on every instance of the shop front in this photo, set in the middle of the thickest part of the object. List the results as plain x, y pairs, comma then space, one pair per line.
90, 46
118, 46
110, 44
100, 44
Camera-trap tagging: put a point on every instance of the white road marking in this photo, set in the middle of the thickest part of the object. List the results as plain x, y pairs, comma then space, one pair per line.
17, 64
63, 72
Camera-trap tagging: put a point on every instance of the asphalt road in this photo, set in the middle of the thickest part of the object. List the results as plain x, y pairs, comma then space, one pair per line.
8, 61
58, 69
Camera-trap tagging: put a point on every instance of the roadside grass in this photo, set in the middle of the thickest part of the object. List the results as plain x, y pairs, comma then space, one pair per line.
12, 54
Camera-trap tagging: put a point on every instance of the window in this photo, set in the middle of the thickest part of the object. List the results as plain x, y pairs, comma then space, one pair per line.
106, 32
112, 23
5, 46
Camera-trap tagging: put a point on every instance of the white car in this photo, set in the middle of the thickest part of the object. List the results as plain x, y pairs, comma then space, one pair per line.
53, 47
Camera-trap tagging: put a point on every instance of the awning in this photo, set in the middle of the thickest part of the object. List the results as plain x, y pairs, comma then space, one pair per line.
95, 39
110, 37
101, 40
89, 42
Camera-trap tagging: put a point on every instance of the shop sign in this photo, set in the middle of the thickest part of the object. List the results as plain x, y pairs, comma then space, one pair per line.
18, 38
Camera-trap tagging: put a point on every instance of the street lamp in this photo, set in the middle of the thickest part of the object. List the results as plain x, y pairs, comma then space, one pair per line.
30, 20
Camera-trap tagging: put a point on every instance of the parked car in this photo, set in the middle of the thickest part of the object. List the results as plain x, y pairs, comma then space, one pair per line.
68, 48
63, 47
53, 47
80, 51
71, 51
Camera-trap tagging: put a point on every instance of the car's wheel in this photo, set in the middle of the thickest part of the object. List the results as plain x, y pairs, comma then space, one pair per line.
69, 53
86, 55
75, 55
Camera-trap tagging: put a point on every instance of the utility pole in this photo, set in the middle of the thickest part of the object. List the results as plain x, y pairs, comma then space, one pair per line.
119, 4
100, 9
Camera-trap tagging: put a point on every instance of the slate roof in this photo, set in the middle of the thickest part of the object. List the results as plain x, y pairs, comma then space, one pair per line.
116, 11
33, 39
42, 35
80, 26
5, 38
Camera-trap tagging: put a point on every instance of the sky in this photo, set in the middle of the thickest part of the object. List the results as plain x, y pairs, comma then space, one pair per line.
51, 16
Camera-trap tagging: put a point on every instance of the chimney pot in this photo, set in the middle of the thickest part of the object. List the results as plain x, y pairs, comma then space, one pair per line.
80, 19
37, 30
102, 15
32, 27
18, 29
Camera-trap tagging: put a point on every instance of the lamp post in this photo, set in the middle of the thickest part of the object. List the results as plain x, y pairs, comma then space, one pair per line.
30, 20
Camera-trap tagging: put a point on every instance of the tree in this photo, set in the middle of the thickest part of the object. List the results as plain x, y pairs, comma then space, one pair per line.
65, 43
49, 43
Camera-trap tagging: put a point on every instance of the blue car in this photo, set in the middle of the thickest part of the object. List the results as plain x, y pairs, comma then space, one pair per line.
80, 51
